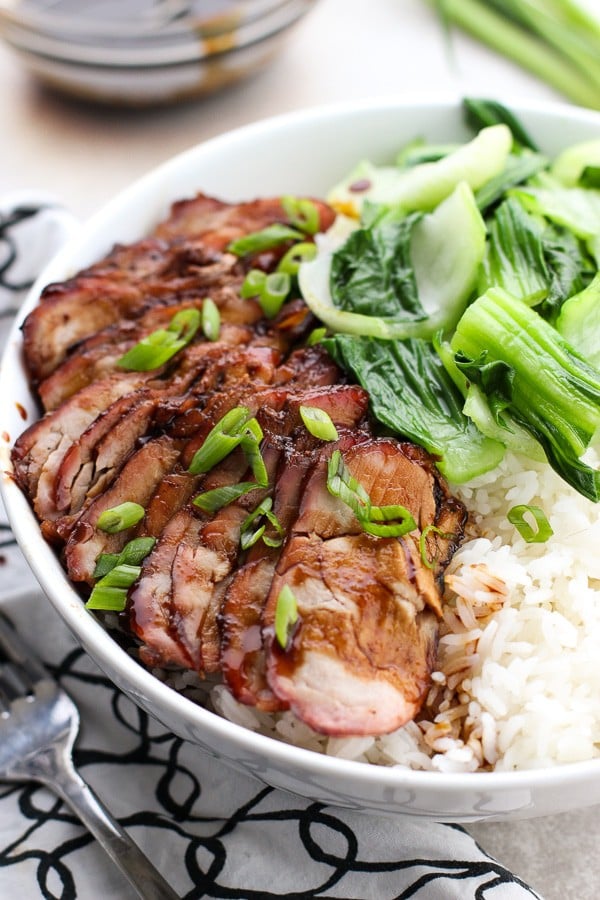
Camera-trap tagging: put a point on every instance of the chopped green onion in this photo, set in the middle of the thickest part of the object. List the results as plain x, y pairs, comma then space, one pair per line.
432, 529
270, 290
316, 336
110, 593
397, 518
341, 484
275, 289
295, 256
265, 239
541, 532
107, 598
286, 615
161, 345
211, 319
380, 521
251, 448
221, 440
301, 213
253, 283
120, 517
132, 554
249, 536
318, 423
213, 501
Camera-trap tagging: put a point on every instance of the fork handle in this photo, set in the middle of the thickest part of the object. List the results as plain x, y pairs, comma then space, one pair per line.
147, 881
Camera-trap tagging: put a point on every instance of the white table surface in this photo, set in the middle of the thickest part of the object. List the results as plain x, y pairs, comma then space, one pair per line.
343, 49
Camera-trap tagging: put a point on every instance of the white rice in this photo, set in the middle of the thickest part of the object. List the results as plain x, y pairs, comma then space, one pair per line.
518, 680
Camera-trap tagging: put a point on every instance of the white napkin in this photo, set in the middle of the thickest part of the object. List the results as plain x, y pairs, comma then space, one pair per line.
211, 831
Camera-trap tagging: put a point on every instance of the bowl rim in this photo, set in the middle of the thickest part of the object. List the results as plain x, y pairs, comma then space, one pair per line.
106, 650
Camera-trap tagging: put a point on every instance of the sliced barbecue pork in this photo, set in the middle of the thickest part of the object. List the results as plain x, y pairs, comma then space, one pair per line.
367, 606
359, 657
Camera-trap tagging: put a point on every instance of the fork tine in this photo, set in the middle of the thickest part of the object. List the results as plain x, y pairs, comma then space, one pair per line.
16, 651
14, 682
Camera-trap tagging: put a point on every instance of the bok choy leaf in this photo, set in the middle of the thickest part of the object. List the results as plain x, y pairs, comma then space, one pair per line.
524, 367
411, 393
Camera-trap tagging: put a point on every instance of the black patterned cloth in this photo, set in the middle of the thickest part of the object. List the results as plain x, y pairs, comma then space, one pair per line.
211, 831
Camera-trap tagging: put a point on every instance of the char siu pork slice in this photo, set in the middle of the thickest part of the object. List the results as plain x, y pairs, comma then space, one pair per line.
367, 623
184, 576
137, 482
98, 356
43, 445
242, 656
220, 223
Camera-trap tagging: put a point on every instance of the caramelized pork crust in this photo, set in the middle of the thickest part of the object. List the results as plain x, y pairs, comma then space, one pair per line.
359, 656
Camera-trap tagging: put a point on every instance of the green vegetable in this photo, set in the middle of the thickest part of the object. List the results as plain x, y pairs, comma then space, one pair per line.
286, 615
110, 593
211, 320
301, 213
424, 186
161, 345
374, 520
236, 426
579, 322
291, 261
520, 166
411, 392
446, 249
119, 518
524, 366
214, 500
577, 209
318, 423
532, 535
570, 165
249, 535
481, 113
132, 554
555, 39
270, 290
265, 239
515, 254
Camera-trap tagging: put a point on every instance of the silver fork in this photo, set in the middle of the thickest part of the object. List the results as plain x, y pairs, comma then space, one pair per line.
38, 726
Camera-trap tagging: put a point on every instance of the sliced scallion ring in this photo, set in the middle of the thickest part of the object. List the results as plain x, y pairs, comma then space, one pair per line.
316, 336
161, 345
531, 535
111, 599
119, 518
380, 521
291, 261
302, 213
221, 440
213, 501
432, 529
132, 554
318, 423
211, 320
253, 283
250, 535
286, 615
265, 239
273, 294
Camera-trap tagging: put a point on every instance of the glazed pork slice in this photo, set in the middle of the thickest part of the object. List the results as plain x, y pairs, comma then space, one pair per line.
367, 606
45, 442
185, 258
242, 656
136, 482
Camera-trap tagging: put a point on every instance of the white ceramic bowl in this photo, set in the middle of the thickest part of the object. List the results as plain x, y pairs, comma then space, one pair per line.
302, 152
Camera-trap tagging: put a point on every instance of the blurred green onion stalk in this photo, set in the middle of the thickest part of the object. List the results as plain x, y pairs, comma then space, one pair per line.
557, 40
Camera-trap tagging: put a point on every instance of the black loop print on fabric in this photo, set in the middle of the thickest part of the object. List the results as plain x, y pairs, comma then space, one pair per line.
9, 251
204, 856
